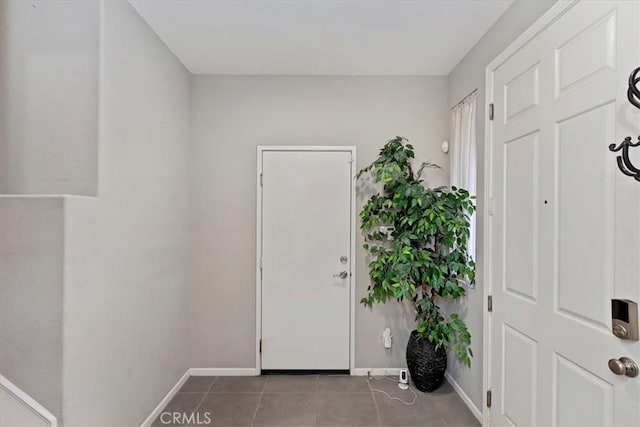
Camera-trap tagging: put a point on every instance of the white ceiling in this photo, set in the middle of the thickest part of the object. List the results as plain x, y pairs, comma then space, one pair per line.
320, 37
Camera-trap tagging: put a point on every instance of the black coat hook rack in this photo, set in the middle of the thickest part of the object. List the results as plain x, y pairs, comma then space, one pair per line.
624, 162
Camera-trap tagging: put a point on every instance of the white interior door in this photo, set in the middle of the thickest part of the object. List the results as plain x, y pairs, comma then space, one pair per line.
565, 224
306, 229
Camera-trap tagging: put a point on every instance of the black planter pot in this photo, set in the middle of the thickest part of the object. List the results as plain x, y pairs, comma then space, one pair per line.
426, 364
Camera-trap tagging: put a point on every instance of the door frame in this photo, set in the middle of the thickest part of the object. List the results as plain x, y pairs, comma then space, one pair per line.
352, 249
550, 16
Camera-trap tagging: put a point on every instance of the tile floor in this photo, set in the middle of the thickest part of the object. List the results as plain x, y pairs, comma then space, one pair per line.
312, 400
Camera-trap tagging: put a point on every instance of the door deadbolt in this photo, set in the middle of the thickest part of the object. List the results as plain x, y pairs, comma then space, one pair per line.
342, 275
624, 319
624, 366
344, 259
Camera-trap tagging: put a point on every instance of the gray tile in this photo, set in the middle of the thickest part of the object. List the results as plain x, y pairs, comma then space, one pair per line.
291, 384
455, 412
342, 383
390, 385
199, 419
395, 413
198, 384
462, 421
346, 409
230, 409
181, 403
238, 385
286, 409
185, 401
443, 391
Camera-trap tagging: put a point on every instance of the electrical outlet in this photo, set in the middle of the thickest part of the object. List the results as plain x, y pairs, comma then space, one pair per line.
388, 230
386, 338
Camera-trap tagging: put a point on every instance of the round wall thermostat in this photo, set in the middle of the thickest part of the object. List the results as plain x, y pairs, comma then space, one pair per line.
445, 147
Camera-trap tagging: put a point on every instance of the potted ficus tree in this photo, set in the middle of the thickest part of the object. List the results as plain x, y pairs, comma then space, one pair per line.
423, 261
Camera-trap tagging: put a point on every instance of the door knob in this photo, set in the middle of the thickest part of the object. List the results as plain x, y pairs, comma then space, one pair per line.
342, 275
624, 366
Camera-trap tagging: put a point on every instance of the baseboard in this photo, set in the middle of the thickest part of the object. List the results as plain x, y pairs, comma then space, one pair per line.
165, 400
377, 372
28, 402
224, 372
473, 408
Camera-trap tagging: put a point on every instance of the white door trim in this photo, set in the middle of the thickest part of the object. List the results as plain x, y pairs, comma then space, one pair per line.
556, 11
352, 291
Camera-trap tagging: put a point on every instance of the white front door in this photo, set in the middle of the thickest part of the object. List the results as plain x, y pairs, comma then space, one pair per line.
306, 259
565, 223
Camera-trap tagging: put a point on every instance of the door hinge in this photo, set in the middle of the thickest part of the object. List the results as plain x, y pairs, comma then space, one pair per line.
491, 111
491, 206
261, 178
260, 263
489, 398
490, 303
260, 346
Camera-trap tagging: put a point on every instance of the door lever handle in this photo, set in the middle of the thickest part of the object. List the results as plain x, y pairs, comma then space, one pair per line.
341, 275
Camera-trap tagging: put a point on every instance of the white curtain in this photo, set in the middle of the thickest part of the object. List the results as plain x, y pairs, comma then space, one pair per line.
463, 154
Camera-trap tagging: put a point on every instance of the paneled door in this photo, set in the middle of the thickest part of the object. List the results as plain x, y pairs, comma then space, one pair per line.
306, 241
564, 225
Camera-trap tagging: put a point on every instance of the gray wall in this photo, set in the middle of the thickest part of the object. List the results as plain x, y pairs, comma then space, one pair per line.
468, 75
48, 97
93, 297
125, 292
230, 117
31, 288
